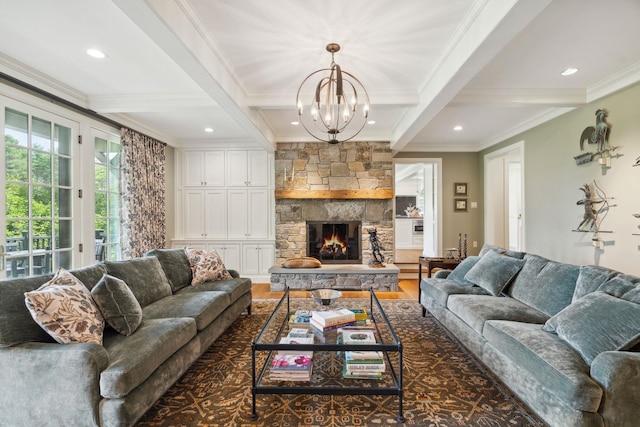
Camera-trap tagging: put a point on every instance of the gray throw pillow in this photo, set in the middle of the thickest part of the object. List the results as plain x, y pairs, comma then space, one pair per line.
118, 305
458, 273
494, 272
486, 248
596, 323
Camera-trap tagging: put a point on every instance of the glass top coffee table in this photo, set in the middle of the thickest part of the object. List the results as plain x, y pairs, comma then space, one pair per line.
329, 374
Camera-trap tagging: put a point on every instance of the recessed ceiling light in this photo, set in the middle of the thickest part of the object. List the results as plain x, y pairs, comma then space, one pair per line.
371, 122
569, 71
208, 130
458, 128
295, 123
96, 53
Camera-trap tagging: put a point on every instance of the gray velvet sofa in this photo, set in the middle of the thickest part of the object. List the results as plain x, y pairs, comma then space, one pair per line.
563, 338
44, 383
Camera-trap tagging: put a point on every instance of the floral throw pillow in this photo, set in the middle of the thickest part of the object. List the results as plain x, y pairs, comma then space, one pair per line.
207, 266
64, 308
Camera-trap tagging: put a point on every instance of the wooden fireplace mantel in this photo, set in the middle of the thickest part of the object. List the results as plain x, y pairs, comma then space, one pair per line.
334, 194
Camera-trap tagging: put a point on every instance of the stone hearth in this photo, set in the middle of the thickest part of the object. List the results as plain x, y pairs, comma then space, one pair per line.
336, 276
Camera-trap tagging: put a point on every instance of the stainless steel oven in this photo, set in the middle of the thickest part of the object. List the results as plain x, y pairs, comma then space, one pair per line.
417, 227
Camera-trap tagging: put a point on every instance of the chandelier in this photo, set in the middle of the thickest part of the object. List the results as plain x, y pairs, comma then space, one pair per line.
336, 98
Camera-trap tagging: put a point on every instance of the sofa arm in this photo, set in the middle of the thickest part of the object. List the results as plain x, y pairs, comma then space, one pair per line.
234, 274
51, 384
618, 373
442, 274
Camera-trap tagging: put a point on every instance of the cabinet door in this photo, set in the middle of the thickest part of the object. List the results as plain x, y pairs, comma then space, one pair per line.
215, 214
193, 208
192, 169
267, 254
214, 167
251, 259
237, 168
238, 214
230, 254
258, 214
258, 168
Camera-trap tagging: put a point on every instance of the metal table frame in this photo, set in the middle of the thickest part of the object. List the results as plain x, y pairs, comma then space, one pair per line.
307, 387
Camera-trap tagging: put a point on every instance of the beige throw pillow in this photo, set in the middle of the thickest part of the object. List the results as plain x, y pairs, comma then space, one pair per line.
64, 308
207, 266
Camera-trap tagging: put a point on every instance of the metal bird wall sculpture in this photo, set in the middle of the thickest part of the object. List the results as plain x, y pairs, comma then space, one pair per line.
597, 135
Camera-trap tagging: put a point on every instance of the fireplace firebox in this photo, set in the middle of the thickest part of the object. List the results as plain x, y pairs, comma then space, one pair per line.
335, 242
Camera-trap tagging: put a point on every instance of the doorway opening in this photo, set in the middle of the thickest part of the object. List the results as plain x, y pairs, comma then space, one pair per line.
504, 201
417, 209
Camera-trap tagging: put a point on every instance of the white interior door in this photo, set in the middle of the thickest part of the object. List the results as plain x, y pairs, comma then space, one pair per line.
504, 201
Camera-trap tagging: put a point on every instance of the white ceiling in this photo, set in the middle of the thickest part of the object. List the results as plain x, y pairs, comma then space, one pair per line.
175, 67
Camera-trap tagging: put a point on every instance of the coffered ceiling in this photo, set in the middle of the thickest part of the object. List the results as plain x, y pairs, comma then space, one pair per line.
174, 67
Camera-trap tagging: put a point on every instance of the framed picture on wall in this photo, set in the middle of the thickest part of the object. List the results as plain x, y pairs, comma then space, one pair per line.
460, 205
460, 189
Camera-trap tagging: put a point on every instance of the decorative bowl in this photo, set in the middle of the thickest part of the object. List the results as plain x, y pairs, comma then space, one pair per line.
325, 296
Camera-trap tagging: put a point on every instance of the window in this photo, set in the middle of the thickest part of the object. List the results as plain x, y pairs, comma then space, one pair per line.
107, 197
38, 208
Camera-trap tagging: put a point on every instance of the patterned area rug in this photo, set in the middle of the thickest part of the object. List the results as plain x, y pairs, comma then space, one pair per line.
443, 386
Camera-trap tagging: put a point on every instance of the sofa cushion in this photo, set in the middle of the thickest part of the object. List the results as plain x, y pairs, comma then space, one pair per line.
494, 272
64, 308
475, 310
134, 358
235, 288
593, 278
90, 275
589, 279
144, 276
548, 360
440, 289
16, 324
458, 273
596, 323
203, 307
508, 252
206, 266
175, 265
118, 305
545, 285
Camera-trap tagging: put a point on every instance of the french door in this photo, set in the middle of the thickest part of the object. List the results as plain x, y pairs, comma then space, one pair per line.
36, 218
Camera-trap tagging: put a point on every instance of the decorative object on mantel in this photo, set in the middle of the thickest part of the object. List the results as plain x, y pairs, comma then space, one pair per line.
377, 259
598, 136
336, 97
593, 216
302, 262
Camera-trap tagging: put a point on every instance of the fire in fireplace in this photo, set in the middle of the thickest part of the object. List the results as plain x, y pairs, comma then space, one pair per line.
335, 242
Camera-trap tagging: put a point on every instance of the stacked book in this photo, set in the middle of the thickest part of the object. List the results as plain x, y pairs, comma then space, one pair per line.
363, 364
292, 365
332, 319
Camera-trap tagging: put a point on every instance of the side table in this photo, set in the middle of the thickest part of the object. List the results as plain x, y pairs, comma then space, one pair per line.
431, 263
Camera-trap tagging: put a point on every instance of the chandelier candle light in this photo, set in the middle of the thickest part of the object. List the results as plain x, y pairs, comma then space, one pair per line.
336, 98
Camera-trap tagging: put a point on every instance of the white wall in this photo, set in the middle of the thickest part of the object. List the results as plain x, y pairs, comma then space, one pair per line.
553, 180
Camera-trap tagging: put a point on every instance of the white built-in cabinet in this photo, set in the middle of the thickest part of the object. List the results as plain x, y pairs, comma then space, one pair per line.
225, 201
259, 257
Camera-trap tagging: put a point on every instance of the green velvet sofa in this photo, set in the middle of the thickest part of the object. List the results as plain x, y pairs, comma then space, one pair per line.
44, 383
563, 338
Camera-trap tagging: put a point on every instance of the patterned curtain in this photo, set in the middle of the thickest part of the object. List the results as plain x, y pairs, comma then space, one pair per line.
142, 195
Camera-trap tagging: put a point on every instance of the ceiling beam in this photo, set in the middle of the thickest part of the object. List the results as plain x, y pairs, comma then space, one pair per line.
487, 29
175, 29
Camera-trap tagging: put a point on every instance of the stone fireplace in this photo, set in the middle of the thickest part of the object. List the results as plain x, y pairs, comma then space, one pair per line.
350, 181
334, 242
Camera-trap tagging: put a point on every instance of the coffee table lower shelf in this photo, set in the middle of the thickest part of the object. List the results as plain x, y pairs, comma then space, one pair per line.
328, 390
